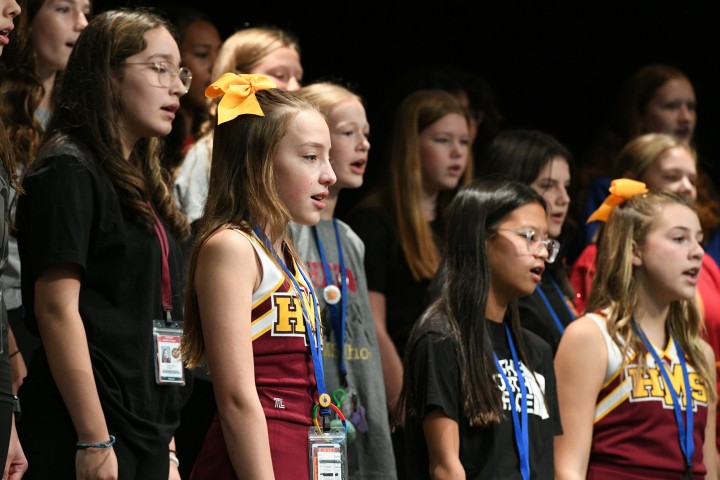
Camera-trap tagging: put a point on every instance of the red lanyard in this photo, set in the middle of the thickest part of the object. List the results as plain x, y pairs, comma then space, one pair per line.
165, 253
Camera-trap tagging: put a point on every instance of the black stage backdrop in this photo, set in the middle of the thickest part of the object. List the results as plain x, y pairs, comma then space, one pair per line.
555, 67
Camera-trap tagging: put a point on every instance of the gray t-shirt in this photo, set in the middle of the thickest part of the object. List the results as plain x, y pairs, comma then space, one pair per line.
370, 455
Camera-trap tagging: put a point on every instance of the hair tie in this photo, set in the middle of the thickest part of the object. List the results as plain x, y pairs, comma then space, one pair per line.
238, 94
621, 190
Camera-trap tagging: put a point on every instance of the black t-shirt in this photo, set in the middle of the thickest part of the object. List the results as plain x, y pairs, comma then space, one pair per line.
487, 452
536, 316
70, 214
388, 271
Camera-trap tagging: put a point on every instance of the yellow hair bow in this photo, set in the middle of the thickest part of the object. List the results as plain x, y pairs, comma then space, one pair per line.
621, 190
239, 94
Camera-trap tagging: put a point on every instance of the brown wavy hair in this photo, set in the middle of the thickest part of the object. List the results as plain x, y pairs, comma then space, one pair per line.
21, 90
89, 109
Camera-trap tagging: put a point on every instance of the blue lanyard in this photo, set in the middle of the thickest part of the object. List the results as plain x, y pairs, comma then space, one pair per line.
315, 344
685, 432
338, 318
554, 315
522, 439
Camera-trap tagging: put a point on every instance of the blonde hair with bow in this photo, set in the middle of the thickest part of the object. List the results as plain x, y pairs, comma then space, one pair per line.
242, 188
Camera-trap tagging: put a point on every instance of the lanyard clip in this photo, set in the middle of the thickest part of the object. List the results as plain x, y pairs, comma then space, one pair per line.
168, 317
324, 402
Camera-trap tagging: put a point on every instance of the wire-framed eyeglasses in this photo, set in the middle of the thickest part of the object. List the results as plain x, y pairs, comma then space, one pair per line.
167, 73
534, 241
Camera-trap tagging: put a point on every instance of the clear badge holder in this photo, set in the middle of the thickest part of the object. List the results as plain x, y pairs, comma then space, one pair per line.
327, 453
169, 368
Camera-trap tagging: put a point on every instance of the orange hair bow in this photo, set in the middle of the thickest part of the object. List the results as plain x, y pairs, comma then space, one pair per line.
621, 190
238, 94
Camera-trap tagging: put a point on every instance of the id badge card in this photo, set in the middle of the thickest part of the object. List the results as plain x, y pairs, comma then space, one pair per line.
168, 361
328, 454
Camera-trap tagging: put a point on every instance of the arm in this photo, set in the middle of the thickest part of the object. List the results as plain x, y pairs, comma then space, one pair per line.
174, 473
17, 362
227, 273
57, 293
391, 361
16, 463
580, 364
710, 453
442, 436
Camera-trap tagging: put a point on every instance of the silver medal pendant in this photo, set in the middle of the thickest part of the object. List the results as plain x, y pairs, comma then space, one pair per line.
331, 294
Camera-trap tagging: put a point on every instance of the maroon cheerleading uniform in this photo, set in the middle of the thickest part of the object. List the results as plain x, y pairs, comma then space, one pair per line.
635, 435
284, 377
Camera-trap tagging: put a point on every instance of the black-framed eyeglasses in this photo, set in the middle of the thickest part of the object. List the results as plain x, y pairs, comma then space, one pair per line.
167, 73
534, 241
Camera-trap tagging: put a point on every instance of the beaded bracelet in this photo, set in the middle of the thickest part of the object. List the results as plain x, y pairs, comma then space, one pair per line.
108, 444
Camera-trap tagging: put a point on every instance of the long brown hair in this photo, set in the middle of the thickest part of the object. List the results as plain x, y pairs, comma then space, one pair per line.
403, 185
8, 159
89, 107
20, 88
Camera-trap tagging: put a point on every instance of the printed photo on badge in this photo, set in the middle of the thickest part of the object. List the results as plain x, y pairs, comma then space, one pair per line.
169, 365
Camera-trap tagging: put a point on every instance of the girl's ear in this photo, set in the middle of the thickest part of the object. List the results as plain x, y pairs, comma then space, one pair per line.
637, 260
